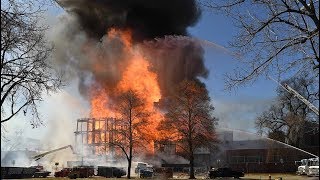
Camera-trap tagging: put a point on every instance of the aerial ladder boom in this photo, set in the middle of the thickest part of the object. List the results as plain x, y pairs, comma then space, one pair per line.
301, 98
305, 101
39, 156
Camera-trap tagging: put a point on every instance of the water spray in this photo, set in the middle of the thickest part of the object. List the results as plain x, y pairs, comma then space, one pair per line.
217, 46
273, 141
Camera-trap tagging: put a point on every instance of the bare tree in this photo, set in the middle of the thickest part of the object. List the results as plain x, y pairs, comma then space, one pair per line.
13, 143
289, 116
189, 119
277, 135
275, 37
133, 119
26, 71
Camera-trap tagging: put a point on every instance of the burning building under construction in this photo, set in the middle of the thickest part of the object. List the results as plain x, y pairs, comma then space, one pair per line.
122, 46
101, 136
97, 135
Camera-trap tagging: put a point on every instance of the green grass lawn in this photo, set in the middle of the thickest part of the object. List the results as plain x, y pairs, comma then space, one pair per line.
284, 176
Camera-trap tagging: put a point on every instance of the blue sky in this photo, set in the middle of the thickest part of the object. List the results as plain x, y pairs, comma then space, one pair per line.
235, 109
220, 30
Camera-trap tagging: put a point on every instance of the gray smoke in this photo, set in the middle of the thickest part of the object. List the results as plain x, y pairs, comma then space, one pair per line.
174, 59
81, 43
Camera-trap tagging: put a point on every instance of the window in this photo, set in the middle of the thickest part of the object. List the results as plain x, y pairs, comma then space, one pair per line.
237, 159
253, 159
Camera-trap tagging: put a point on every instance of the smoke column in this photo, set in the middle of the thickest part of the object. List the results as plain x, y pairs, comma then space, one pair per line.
153, 25
147, 18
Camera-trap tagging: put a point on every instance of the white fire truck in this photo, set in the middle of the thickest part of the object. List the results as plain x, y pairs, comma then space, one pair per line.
314, 167
308, 167
303, 166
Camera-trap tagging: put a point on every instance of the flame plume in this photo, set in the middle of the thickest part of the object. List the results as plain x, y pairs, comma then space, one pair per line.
136, 76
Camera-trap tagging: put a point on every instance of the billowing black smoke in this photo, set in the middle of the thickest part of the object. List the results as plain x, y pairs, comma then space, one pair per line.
158, 26
146, 18
175, 59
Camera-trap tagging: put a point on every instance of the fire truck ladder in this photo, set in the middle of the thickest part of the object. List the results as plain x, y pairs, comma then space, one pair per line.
39, 156
296, 94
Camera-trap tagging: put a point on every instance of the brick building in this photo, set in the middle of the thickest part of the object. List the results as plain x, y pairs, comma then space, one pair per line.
256, 154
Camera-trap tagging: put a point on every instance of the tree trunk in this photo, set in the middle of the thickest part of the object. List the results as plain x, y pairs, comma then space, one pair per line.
130, 144
129, 168
191, 167
191, 172
129, 161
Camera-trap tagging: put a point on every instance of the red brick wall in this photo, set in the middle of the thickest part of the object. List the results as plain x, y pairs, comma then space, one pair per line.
269, 160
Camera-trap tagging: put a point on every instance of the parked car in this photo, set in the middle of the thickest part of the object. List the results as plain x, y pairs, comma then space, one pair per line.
144, 170
63, 172
145, 173
110, 172
40, 172
17, 172
224, 172
76, 172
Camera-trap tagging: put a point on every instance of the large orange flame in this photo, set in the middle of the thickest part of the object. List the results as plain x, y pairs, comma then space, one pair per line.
136, 76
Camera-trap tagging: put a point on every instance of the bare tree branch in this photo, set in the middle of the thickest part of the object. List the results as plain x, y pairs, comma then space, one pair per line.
289, 118
189, 118
272, 33
134, 118
26, 71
